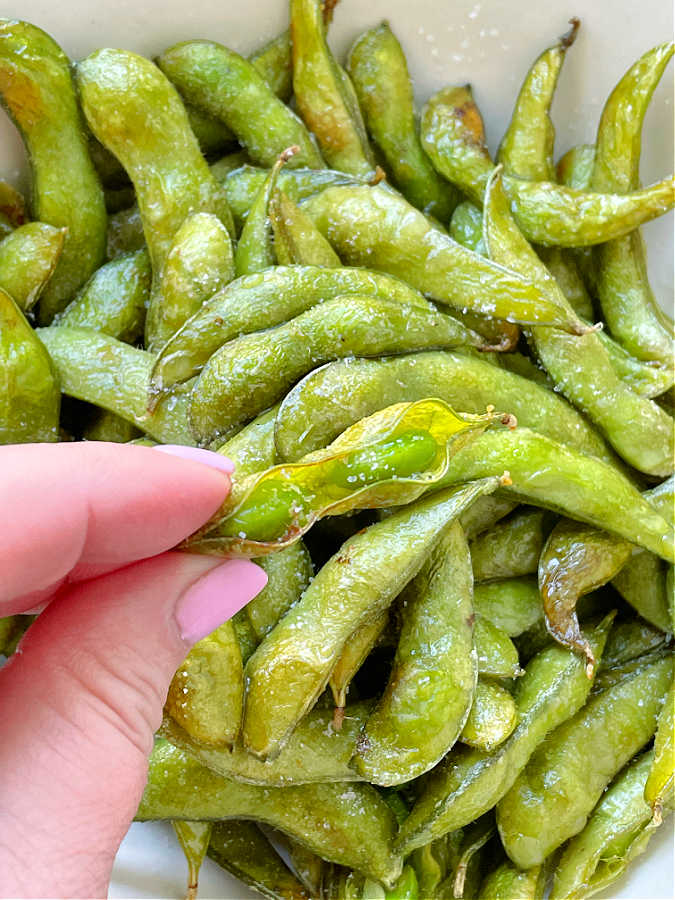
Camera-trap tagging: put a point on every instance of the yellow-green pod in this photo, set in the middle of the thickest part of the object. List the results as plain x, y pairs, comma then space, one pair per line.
28, 257
297, 240
194, 838
661, 779
351, 659
29, 396
492, 717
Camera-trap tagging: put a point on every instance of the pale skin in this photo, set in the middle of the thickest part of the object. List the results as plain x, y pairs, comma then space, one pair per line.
87, 531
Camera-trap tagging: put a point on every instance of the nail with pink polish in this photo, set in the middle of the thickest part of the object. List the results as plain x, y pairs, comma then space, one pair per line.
194, 454
217, 596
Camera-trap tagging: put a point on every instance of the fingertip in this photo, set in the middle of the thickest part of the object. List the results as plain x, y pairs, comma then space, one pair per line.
197, 454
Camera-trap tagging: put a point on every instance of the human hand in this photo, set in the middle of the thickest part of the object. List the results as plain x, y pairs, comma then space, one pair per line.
86, 532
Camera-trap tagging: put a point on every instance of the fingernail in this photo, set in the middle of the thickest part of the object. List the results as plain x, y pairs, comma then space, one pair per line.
217, 596
206, 457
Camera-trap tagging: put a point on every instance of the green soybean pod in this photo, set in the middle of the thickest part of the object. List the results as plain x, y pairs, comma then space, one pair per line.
642, 583
559, 478
114, 300
194, 839
30, 395
289, 573
228, 87
12, 206
433, 677
242, 849
623, 289
37, 91
466, 227
260, 301
297, 240
333, 397
483, 514
351, 658
492, 717
512, 604
378, 69
199, 263
324, 94
252, 372
375, 226
284, 677
316, 752
109, 373
562, 264
512, 547
496, 654
254, 248
353, 827
252, 449
660, 784
274, 62
29, 256
160, 153
642, 433
12, 629
466, 873
206, 694
644, 378
125, 232
555, 793
106, 426
526, 149
509, 883
618, 830
469, 782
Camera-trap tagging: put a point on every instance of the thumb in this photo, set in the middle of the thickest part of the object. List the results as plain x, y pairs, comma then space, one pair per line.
79, 703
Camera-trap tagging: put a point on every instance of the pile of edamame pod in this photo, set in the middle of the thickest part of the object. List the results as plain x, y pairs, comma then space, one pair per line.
458, 682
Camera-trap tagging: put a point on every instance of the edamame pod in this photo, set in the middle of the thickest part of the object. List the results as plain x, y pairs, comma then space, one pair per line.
512, 547
467, 874
297, 240
289, 572
199, 263
206, 693
644, 378
223, 84
433, 677
642, 584
514, 604
526, 149
160, 153
630, 640
485, 513
642, 433
194, 839
555, 793
252, 449
373, 567
492, 717
28, 257
12, 629
325, 95
388, 459
496, 653
254, 248
125, 232
560, 478
12, 206
617, 831
466, 227
350, 660
274, 62
660, 785
469, 782
378, 69
101, 370
242, 849
107, 426
335, 396
30, 398
114, 300
316, 752
375, 226
622, 283
253, 371
37, 91
260, 301
509, 883
353, 827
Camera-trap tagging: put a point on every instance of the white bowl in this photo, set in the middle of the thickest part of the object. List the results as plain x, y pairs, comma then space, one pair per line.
489, 43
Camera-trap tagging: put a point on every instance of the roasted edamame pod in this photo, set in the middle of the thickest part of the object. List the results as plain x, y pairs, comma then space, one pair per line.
350, 660
274, 702
375, 226
469, 782
325, 95
643, 433
252, 449
660, 785
37, 91
252, 372
434, 671
333, 397
194, 839
492, 717
378, 69
222, 83
297, 240
514, 604
545, 212
316, 752
496, 654
555, 793
30, 398
512, 547
28, 257
114, 300
509, 883
354, 828
617, 831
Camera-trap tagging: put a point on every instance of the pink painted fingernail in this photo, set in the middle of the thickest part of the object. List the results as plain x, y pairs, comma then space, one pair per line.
217, 596
206, 457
